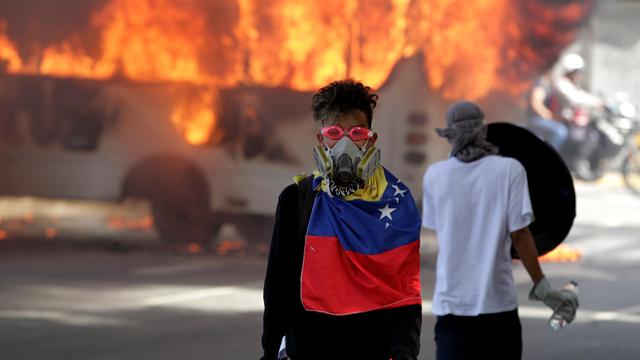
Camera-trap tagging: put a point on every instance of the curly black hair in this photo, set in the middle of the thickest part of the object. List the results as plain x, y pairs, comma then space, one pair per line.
342, 97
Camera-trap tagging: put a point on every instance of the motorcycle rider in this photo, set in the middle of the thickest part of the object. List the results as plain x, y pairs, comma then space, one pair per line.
569, 86
575, 105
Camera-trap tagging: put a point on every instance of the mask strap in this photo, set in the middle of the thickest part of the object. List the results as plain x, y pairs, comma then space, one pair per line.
364, 147
327, 149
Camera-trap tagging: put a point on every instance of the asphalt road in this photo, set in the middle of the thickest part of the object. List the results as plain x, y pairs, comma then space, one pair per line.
72, 302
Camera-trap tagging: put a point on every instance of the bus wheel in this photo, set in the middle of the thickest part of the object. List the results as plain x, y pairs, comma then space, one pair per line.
179, 196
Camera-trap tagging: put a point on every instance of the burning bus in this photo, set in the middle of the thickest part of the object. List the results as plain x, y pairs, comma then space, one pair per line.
111, 140
203, 107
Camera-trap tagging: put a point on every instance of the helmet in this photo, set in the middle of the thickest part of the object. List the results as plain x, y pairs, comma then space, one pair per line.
572, 62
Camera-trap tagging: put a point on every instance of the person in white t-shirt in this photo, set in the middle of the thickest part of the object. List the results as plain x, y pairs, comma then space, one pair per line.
478, 204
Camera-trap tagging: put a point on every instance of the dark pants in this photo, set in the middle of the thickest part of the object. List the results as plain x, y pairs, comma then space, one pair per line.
486, 336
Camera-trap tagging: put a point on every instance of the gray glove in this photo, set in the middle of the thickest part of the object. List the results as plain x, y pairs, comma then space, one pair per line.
563, 302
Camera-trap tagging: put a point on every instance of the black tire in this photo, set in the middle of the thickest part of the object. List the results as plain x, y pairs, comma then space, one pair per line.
179, 196
631, 172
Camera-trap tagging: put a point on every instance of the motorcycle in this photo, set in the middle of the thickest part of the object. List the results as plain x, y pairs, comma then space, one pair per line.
602, 139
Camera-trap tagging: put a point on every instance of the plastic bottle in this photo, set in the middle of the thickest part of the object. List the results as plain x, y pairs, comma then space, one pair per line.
557, 322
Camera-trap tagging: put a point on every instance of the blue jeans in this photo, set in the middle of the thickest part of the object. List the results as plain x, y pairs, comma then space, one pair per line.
553, 131
486, 336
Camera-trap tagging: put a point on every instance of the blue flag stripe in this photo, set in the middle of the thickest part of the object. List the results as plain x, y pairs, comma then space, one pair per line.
368, 227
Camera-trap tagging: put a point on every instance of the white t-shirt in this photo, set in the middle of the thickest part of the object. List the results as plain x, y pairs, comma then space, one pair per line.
473, 207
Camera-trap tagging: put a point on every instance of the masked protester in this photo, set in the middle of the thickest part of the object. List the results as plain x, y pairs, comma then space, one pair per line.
478, 204
343, 276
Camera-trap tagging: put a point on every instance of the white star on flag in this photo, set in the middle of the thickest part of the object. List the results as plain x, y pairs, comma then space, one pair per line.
398, 191
385, 212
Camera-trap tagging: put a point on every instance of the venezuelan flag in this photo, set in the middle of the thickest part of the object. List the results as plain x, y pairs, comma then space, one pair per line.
362, 252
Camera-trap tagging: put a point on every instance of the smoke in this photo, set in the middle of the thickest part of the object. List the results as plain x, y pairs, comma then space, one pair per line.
35, 24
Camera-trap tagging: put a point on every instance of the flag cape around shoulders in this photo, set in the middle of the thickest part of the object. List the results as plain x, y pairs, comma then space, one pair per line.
362, 252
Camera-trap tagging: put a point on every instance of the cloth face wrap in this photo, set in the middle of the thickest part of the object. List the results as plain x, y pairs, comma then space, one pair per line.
466, 132
343, 191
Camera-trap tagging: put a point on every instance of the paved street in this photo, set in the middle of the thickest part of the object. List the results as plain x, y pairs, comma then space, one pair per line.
72, 302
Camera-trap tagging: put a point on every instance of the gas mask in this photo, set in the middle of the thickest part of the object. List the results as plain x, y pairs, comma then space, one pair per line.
345, 162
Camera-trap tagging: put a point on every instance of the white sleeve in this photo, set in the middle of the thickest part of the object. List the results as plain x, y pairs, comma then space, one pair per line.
428, 206
520, 211
574, 94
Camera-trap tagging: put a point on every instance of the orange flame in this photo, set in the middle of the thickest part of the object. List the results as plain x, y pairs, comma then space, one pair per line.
151, 40
194, 116
65, 61
8, 51
470, 48
305, 44
194, 248
318, 42
50, 233
121, 223
562, 253
143, 39
462, 47
3, 235
225, 247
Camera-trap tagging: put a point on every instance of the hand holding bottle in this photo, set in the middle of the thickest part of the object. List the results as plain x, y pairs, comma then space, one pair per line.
566, 312
564, 303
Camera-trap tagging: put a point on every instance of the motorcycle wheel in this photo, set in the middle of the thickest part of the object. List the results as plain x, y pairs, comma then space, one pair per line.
631, 171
